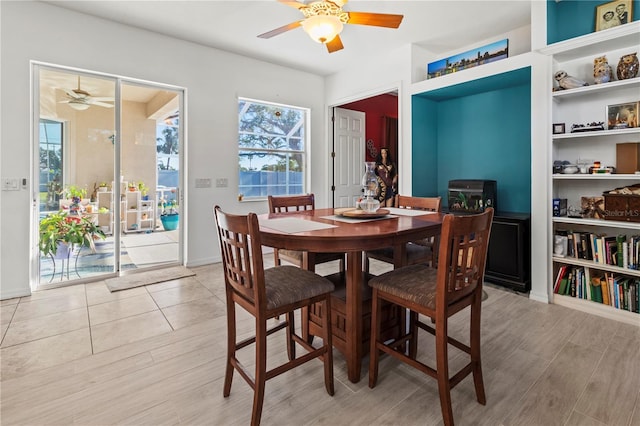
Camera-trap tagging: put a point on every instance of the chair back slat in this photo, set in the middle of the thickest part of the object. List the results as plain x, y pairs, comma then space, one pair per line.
463, 253
418, 203
281, 204
240, 247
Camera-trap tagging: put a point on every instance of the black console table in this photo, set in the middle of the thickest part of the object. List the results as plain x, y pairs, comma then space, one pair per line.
509, 253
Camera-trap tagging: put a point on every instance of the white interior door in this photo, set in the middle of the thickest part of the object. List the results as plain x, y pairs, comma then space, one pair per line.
349, 140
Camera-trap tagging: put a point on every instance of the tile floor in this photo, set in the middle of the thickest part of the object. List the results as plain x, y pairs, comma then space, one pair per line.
155, 355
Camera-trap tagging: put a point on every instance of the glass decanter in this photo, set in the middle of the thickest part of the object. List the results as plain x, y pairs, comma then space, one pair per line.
369, 202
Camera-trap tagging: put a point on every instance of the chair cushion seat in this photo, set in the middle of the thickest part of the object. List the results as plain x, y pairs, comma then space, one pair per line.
289, 284
296, 255
292, 254
416, 253
416, 283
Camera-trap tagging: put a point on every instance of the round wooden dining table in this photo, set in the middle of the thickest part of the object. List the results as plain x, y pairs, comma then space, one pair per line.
322, 230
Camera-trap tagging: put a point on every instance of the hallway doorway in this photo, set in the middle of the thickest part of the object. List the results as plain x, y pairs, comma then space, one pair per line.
376, 119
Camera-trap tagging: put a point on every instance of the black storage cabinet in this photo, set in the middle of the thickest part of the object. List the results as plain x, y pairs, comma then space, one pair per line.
509, 252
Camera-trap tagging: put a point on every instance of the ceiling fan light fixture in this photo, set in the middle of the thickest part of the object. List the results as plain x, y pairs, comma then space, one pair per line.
322, 28
79, 106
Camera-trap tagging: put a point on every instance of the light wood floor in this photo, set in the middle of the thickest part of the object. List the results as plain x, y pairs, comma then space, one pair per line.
155, 355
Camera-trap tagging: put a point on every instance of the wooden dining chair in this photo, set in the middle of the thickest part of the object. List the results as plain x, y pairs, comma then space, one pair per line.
438, 294
421, 251
265, 294
281, 204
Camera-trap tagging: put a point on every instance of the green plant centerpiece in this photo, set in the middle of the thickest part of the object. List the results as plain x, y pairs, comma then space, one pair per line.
60, 228
169, 214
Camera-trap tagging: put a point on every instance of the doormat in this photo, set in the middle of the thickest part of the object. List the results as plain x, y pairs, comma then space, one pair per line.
150, 277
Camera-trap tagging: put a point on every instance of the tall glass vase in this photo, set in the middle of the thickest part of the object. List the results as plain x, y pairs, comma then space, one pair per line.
370, 203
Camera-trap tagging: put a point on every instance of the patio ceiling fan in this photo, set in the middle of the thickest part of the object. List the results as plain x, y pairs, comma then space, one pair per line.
324, 20
81, 100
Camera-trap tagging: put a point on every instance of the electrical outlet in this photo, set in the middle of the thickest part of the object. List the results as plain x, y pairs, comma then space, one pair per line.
222, 183
203, 183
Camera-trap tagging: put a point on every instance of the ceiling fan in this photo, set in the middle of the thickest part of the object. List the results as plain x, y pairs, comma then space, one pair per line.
81, 100
324, 19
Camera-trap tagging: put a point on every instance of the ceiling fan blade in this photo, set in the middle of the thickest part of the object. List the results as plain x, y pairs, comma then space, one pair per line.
340, 2
72, 94
293, 3
102, 104
102, 98
335, 44
281, 30
375, 19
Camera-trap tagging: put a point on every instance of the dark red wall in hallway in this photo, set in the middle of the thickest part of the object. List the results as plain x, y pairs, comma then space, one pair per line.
376, 108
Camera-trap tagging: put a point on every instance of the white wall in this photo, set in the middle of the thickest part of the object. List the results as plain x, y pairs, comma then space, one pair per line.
373, 78
213, 79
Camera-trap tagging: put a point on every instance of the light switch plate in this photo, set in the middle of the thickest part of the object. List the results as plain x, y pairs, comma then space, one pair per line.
10, 184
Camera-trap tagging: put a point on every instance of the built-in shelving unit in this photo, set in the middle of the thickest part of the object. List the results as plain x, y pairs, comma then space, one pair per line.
580, 106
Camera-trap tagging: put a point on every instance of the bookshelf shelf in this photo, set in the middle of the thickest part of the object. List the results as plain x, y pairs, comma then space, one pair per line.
598, 222
635, 132
593, 265
597, 308
630, 84
600, 176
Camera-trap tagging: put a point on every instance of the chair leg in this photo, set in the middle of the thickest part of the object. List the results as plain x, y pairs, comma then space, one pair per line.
304, 325
291, 328
413, 329
366, 263
276, 258
474, 340
375, 335
231, 346
328, 343
442, 362
261, 371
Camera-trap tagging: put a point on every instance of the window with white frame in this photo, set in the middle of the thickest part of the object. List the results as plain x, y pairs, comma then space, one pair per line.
272, 141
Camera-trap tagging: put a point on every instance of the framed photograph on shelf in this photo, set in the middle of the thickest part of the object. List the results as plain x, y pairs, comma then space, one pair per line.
613, 14
622, 116
558, 128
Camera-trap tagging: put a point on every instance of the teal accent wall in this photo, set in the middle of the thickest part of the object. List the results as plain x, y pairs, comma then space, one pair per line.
475, 134
573, 18
425, 149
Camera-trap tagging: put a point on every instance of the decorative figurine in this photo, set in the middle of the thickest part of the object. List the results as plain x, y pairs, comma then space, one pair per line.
601, 70
628, 66
567, 82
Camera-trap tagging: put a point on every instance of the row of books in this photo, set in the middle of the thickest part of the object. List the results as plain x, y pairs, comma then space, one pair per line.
618, 250
618, 291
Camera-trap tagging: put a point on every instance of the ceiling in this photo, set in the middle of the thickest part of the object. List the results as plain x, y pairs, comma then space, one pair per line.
438, 26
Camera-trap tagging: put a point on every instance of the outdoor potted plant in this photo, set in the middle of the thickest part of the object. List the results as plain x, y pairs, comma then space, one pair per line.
169, 214
75, 194
144, 190
60, 231
103, 187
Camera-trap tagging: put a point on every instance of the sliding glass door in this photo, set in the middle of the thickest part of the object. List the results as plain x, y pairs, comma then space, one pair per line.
150, 175
107, 196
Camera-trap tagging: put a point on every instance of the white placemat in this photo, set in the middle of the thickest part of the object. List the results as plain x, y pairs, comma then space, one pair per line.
291, 225
408, 212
